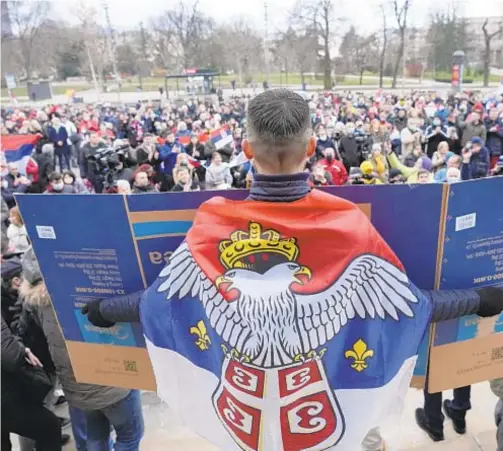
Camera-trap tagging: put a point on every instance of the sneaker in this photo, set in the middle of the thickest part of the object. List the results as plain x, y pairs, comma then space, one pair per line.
64, 421
459, 424
422, 422
65, 438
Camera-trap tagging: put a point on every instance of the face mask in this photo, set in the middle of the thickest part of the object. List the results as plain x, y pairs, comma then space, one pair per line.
323, 136
329, 158
452, 179
58, 186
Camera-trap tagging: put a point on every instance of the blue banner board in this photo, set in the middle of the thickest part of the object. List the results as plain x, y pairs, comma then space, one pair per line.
93, 246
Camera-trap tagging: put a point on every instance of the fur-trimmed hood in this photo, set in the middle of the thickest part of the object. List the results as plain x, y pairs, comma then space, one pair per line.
36, 295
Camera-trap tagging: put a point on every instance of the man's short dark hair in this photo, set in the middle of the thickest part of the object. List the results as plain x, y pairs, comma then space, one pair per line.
278, 118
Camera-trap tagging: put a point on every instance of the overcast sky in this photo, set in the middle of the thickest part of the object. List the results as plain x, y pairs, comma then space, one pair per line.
363, 13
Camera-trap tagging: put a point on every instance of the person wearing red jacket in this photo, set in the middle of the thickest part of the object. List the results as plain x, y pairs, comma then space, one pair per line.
88, 124
334, 167
32, 170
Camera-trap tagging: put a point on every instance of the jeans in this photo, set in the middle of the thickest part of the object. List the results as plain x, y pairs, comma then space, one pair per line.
79, 427
65, 157
433, 406
125, 417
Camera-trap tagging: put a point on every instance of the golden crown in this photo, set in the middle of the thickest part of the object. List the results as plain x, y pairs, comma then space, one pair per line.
243, 244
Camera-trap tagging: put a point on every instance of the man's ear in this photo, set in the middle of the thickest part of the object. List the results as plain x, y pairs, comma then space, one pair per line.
311, 147
247, 149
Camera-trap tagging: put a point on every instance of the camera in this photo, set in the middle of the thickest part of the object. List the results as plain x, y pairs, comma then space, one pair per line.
104, 164
363, 143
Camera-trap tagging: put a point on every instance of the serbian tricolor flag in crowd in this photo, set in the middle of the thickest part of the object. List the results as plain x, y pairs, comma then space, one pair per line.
221, 137
18, 149
270, 331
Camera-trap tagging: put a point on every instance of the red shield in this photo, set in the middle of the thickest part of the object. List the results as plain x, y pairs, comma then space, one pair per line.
290, 408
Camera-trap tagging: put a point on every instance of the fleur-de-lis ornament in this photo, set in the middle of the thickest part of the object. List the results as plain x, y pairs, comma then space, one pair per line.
359, 354
203, 341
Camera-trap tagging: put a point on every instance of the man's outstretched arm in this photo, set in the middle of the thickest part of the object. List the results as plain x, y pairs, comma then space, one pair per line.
450, 304
446, 304
120, 309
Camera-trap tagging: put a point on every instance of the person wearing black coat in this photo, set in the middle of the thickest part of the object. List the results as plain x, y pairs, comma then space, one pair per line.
349, 152
45, 161
59, 138
22, 415
196, 150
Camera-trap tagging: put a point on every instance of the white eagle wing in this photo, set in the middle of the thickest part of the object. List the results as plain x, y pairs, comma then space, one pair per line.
369, 286
183, 276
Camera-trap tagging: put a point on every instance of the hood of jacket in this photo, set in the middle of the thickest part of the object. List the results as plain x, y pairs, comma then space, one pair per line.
36, 295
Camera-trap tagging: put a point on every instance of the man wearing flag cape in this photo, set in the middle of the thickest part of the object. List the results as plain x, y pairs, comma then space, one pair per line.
285, 322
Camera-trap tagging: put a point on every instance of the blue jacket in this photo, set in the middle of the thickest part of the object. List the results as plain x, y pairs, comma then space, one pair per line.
477, 167
168, 157
56, 136
494, 140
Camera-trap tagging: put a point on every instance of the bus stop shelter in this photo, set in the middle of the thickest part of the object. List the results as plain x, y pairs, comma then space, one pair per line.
203, 80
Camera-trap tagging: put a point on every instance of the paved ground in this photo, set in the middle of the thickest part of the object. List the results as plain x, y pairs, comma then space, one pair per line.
163, 433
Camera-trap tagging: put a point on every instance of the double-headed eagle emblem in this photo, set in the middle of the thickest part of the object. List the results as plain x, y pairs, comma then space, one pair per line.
269, 324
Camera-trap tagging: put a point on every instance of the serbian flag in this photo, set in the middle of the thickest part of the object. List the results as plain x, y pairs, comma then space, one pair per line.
221, 137
270, 331
18, 149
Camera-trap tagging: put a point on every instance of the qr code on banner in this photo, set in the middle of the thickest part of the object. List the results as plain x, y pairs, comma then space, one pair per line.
466, 222
46, 233
497, 353
130, 365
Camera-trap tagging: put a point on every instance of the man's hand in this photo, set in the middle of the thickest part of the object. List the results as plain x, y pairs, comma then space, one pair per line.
60, 143
92, 310
32, 359
491, 301
467, 155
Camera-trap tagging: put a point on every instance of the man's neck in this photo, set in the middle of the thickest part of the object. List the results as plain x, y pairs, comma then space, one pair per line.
279, 188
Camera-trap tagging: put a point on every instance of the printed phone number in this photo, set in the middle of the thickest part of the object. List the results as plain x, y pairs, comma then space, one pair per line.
488, 278
99, 290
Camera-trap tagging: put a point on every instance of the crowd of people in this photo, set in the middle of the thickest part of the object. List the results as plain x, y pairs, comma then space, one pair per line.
190, 146
418, 138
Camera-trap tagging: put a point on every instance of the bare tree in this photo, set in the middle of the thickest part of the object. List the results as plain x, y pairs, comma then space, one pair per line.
240, 48
164, 39
298, 49
383, 46
27, 19
189, 27
94, 46
401, 19
324, 19
488, 37
317, 13
365, 53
